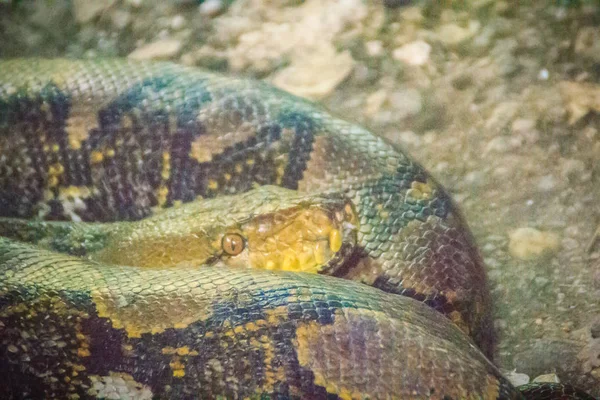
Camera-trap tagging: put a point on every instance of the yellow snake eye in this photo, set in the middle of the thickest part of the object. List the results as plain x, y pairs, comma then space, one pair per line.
233, 243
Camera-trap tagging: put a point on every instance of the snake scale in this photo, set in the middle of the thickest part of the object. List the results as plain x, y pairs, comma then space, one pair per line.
103, 142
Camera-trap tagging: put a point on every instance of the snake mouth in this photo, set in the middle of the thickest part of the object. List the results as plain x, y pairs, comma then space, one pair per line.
345, 251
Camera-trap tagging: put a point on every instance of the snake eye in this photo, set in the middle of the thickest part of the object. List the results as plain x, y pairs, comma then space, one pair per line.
232, 243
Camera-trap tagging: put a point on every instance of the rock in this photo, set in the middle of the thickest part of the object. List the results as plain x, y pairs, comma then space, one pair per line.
177, 22
452, 34
414, 53
120, 18
580, 99
53, 16
543, 355
503, 56
593, 353
484, 39
526, 129
85, 10
276, 35
374, 48
161, 49
374, 102
546, 378
516, 378
315, 75
480, 4
522, 125
503, 113
530, 243
211, 8
573, 169
386, 107
587, 42
412, 14
406, 103
547, 183
407, 138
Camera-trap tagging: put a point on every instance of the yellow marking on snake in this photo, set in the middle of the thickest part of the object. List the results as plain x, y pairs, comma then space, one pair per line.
166, 166
420, 190
96, 157
137, 319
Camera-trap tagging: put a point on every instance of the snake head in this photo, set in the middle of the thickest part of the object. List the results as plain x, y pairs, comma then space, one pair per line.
314, 234
267, 228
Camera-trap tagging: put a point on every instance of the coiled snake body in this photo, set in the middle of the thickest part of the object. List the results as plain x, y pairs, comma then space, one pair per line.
117, 140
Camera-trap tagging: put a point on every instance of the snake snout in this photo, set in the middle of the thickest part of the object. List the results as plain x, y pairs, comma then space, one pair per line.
315, 235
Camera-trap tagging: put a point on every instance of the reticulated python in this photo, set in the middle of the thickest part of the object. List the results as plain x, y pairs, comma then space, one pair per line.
117, 140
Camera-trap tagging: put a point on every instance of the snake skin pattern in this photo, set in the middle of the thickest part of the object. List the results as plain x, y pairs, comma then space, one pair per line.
186, 333
109, 140
114, 140
553, 391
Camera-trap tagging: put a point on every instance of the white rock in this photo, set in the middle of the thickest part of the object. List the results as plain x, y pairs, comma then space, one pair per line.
516, 378
522, 125
530, 243
374, 102
499, 144
452, 34
547, 183
414, 53
374, 48
547, 378
315, 75
161, 49
412, 14
211, 8
178, 22
409, 137
406, 102
264, 37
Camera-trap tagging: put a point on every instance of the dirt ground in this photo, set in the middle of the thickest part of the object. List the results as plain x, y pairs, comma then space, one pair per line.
500, 100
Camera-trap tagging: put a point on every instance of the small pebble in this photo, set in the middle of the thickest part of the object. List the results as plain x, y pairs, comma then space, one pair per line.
530, 243
414, 53
452, 34
161, 49
516, 378
177, 22
547, 378
374, 48
547, 183
211, 8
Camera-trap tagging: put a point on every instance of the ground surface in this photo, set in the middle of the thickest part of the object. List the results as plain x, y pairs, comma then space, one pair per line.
499, 99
